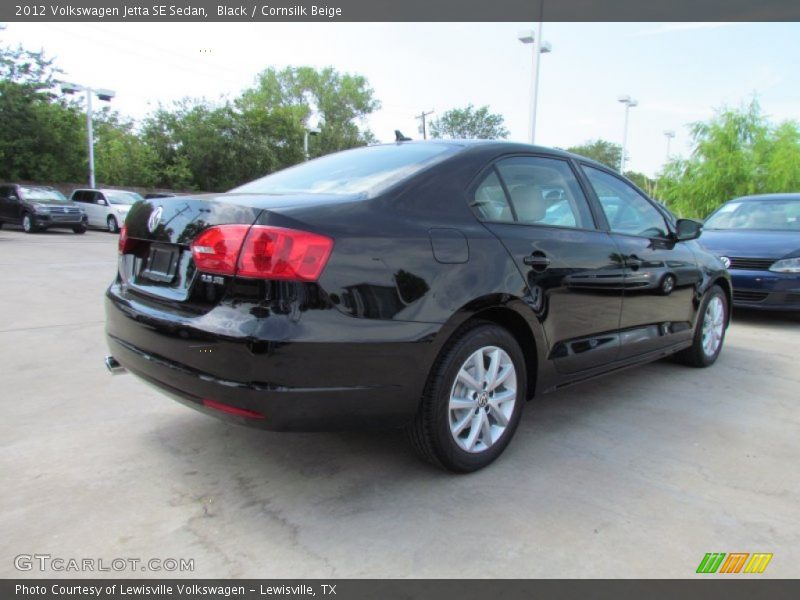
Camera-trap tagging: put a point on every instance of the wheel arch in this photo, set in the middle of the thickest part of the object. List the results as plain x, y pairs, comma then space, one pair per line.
513, 315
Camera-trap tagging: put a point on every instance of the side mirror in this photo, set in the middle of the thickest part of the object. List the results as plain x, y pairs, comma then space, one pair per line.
688, 229
102, 202
13, 197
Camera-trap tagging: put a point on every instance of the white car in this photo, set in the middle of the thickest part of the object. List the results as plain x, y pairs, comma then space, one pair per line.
106, 209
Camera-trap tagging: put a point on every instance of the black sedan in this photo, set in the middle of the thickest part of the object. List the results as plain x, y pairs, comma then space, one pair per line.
758, 238
434, 286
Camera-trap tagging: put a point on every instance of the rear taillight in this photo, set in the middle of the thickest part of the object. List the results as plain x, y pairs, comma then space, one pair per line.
278, 253
261, 252
125, 244
217, 248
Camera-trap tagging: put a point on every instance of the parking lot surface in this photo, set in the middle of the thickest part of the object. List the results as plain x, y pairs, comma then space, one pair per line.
638, 474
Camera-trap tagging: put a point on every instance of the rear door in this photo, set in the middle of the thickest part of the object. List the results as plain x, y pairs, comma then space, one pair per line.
661, 274
537, 208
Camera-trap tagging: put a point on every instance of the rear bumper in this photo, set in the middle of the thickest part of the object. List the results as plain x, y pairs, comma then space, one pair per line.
284, 381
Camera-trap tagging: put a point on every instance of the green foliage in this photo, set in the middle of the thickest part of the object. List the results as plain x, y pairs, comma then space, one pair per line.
737, 152
469, 123
191, 145
605, 152
40, 137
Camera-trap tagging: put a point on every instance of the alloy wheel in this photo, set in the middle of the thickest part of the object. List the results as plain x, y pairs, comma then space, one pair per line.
713, 326
482, 399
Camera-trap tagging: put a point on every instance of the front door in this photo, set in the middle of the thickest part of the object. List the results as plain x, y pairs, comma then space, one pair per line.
661, 274
536, 207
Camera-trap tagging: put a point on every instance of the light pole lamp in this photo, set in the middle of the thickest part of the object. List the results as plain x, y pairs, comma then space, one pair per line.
669, 134
629, 104
539, 47
102, 94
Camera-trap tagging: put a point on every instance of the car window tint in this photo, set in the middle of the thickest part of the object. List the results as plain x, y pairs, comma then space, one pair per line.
490, 201
545, 191
626, 210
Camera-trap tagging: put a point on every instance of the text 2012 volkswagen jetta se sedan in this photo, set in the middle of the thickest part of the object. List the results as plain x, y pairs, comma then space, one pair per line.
429, 285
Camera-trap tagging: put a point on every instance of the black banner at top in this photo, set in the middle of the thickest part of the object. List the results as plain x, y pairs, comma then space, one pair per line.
399, 10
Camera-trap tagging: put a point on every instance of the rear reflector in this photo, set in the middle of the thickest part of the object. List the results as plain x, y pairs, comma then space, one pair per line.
261, 252
232, 410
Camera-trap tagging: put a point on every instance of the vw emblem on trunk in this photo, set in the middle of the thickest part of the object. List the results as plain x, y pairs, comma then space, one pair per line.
726, 261
154, 219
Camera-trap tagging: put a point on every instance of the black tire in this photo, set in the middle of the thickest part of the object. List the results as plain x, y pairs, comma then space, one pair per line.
111, 224
28, 224
696, 355
667, 284
79, 229
430, 433
1, 224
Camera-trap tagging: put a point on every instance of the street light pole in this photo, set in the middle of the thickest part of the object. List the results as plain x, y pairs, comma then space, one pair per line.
90, 135
102, 94
307, 132
629, 103
539, 47
669, 135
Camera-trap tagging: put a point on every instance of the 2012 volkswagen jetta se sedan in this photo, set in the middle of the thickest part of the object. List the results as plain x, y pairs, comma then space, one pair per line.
434, 286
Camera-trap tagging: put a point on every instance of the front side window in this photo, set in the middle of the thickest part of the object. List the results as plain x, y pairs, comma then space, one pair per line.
626, 210
540, 191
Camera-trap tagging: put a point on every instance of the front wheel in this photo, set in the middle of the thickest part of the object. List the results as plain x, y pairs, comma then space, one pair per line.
79, 229
111, 223
709, 335
473, 400
28, 226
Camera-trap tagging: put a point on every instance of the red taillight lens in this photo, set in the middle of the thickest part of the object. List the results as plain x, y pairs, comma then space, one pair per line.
217, 248
261, 252
125, 244
278, 253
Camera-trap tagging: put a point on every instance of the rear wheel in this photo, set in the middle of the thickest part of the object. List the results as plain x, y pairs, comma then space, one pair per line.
28, 226
111, 223
709, 333
473, 400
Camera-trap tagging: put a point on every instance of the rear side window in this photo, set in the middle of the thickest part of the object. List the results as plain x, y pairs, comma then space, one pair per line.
626, 209
538, 191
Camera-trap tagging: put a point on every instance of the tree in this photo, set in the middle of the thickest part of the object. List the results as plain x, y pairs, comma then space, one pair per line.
736, 152
605, 152
122, 157
41, 136
292, 95
469, 123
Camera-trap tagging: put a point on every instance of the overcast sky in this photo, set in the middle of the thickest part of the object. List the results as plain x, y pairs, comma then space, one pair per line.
679, 72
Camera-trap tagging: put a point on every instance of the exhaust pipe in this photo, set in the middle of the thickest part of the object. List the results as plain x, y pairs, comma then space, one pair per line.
112, 364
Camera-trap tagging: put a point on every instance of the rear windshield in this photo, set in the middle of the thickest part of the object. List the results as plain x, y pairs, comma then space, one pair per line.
42, 194
366, 170
123, 197
778, 215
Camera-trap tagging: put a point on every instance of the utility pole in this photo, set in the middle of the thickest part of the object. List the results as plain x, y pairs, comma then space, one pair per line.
421, 117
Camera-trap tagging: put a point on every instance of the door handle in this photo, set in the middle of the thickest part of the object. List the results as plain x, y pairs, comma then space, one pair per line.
537, 259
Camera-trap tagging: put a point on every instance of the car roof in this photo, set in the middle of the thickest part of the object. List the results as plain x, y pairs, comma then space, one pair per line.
503, 146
